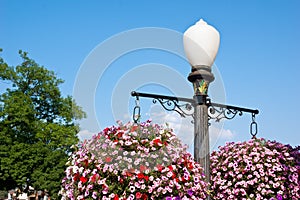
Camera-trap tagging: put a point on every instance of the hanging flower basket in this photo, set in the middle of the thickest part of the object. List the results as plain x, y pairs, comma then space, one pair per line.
257, 169
130, 161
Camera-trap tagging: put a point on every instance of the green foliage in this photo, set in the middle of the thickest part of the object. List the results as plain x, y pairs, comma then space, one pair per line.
37, 126
3, 194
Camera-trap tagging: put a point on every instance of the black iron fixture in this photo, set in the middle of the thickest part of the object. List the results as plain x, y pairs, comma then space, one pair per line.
185, 107
216, 111
201, 44
188, 107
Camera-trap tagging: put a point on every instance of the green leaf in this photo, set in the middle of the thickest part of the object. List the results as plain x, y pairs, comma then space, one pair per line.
37, 126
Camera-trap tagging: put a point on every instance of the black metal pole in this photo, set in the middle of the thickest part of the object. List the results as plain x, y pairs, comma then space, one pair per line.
157, 96
201, 138
201, 77
234, 108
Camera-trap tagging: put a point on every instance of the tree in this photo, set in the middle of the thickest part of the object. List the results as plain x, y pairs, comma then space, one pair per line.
37, 126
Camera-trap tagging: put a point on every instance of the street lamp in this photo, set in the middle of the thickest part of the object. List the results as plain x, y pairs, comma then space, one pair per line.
201, 43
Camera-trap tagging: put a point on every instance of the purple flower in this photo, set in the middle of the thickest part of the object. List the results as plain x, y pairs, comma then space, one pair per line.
279, 197
190, 192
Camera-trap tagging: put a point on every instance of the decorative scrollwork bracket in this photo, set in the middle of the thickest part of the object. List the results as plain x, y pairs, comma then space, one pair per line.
220, 111
171, 103
216, 111
183, 110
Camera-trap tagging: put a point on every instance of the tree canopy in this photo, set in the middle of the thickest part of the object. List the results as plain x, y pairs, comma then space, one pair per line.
38, 126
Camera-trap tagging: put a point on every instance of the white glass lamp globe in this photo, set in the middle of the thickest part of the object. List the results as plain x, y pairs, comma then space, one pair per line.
201, 43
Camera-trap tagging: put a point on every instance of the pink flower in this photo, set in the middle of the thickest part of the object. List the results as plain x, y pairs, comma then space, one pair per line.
268, 167
145, 161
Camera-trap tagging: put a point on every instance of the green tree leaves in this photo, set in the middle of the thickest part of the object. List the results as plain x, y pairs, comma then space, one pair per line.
37, 126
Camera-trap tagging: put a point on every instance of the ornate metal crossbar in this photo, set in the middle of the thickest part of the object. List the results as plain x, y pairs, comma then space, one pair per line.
216, 111
170, 103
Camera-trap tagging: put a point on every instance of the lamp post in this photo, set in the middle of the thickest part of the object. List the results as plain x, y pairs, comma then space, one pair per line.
201, 44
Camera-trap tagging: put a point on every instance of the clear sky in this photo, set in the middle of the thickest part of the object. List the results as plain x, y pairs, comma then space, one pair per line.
105, 49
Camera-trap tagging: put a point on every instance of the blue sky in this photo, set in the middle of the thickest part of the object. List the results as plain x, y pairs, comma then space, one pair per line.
257, 65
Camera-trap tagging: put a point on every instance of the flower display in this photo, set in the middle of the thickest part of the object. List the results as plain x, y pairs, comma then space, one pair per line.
256, 169
133, 161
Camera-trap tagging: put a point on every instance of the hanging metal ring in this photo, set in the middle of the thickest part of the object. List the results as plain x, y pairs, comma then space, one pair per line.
253, 127
136, 111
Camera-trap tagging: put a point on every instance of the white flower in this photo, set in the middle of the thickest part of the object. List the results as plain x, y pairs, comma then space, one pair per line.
81, 169
74, 169
132, 189
151, 178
